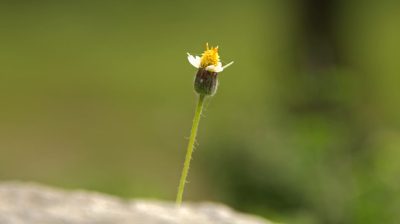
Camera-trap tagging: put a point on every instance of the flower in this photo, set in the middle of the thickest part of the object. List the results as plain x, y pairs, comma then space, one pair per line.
209, 60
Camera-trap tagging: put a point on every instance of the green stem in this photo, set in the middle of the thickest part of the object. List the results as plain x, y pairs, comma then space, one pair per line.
190, 147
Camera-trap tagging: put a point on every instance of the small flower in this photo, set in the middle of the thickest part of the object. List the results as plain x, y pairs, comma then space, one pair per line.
209, 66
209, 60
205, 84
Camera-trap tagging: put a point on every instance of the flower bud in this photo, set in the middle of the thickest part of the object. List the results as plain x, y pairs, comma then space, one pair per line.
206, 82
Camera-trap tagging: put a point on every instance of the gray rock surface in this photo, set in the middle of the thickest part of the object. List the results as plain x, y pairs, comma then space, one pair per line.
28, 203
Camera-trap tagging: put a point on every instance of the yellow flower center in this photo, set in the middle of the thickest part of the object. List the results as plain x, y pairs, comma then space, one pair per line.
209, 57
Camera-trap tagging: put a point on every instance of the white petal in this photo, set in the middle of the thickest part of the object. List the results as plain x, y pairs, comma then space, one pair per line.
219, 67
195, 61
215, 68
198, 60
211, 68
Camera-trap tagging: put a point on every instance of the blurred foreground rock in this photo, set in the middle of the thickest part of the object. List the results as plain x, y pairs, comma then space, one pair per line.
27, 203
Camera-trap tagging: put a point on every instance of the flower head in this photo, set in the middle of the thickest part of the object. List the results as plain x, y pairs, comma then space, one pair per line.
209, 57
209, 60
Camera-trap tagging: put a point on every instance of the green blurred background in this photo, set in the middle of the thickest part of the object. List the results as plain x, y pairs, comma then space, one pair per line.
305, 127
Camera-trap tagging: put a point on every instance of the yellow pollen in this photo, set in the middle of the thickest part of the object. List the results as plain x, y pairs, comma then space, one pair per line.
209, 57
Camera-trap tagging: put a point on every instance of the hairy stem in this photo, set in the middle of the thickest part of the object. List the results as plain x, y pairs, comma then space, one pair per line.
190, 147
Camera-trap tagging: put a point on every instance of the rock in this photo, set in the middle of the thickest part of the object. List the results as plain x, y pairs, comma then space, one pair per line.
28, 203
